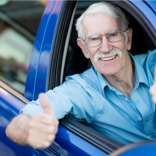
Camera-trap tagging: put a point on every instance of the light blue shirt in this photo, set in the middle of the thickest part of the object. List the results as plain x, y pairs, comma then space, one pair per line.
88, 96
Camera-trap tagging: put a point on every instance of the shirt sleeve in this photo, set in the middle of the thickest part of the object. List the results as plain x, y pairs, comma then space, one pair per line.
70, 97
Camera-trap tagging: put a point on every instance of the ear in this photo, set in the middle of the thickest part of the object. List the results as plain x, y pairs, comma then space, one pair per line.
81, 45
129, 35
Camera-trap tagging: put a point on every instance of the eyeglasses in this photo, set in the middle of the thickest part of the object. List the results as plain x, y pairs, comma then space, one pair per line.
112, 36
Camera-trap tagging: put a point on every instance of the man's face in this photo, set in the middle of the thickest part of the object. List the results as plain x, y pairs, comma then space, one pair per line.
99, 24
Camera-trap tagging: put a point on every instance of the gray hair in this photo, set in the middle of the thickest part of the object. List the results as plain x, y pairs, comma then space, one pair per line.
103, 8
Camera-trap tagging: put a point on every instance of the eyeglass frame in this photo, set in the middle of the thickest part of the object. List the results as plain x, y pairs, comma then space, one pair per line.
104, 34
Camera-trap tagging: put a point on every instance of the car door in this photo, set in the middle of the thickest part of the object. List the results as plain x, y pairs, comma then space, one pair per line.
19, 22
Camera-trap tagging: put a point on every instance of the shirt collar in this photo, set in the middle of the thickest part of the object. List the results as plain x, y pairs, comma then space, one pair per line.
140, 77
104, 83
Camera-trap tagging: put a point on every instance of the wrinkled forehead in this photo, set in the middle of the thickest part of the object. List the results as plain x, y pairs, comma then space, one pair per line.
99, 23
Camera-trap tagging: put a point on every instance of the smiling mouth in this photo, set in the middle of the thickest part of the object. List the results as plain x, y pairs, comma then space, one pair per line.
108, 58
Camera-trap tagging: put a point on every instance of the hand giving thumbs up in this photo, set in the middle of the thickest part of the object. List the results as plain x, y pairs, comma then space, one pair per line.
42, 126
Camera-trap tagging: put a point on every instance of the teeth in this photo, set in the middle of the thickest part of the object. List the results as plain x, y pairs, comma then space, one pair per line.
107, 58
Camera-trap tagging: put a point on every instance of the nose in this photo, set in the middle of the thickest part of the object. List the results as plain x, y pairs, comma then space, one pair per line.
105, 45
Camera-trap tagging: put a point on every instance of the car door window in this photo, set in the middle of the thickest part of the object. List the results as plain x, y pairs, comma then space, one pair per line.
19, 21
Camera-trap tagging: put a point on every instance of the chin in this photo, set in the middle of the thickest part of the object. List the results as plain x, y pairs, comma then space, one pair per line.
109, 72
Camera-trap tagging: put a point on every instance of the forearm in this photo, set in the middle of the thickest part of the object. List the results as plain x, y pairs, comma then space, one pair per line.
17, 130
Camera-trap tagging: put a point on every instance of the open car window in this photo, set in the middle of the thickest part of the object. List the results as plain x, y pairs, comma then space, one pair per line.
75, 60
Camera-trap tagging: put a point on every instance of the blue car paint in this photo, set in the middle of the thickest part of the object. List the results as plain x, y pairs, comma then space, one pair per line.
36, 52
143, 150
9, 108
75, 145
66, 143
149, 14
43, 67
152, 4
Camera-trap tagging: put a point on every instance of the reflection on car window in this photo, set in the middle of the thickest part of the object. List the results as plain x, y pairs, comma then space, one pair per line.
19, 21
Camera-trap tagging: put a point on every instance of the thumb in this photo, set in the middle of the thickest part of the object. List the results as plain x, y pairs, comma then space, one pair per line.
45, 104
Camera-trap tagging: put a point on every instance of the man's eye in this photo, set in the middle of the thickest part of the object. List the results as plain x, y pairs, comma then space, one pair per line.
94, 38
112, 35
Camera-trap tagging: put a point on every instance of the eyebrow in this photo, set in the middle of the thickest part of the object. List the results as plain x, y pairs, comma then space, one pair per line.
102, 33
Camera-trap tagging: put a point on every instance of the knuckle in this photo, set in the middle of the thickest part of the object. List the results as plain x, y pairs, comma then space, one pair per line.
50, 130
42, 145
30, 141
51, 138
47, 144
53, 130
56, 122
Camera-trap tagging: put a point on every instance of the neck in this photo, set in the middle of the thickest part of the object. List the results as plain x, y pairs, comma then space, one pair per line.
124, 81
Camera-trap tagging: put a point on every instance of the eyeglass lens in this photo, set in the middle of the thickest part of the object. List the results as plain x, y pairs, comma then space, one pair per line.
112, 36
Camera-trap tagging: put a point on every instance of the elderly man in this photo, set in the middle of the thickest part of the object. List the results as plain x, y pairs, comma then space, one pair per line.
113, 96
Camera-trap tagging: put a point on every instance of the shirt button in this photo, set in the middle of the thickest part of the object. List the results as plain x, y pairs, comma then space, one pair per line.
126, 99
140, 119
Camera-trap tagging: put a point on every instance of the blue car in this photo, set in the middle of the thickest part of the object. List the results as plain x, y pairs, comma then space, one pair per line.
38, 49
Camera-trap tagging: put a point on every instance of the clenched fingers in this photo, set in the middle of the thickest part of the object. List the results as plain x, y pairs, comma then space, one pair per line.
41, 135
40, 141
45, 119
42, 128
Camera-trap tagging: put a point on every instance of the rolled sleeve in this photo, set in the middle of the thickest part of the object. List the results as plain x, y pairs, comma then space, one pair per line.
69, 97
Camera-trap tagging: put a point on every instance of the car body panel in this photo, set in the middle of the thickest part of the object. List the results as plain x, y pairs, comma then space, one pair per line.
149, 14
66, 140
143, 148
45, 54
152, 4
33, 66
9, 108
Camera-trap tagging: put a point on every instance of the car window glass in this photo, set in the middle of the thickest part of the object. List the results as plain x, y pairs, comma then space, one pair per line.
19, 21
